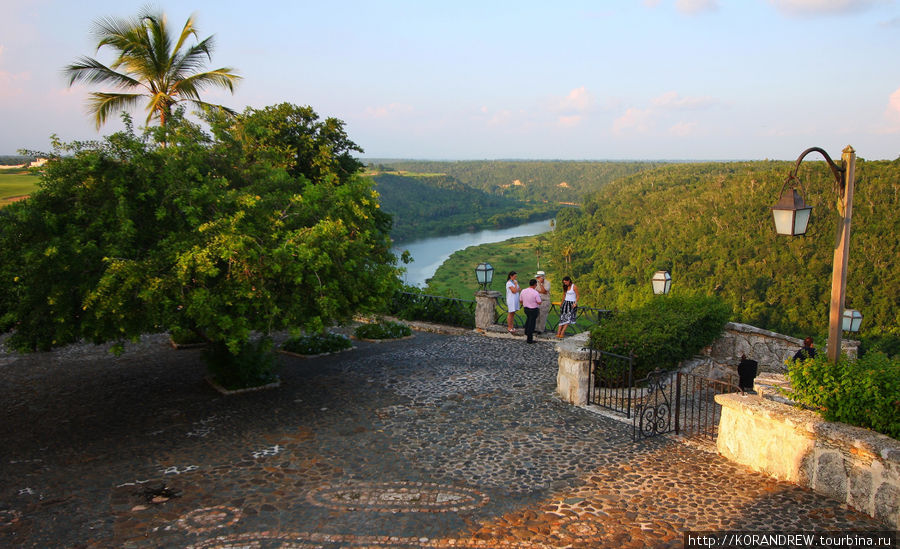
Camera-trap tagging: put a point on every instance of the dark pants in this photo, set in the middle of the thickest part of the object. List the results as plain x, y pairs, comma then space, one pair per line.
530, 321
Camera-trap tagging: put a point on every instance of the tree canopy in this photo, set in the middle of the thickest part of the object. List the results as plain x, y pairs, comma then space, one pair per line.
207, 234
711, 226
151, 63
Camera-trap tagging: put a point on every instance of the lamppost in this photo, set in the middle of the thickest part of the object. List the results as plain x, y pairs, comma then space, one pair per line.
484, 273
662, 282
792, 215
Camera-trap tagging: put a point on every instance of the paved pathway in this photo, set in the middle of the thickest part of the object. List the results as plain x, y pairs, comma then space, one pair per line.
436, 441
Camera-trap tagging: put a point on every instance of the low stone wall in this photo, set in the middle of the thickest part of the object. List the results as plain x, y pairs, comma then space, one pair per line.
850, 464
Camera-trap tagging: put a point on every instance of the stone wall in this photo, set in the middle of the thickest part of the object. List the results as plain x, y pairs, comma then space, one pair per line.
850, 464
769, 349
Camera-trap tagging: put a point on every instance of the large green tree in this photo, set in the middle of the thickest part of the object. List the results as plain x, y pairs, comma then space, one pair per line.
126, 237
150, 63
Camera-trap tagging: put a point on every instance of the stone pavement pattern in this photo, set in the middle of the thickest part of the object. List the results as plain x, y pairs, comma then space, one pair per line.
436, 441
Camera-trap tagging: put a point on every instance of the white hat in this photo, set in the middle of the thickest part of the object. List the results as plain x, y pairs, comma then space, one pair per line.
540, 273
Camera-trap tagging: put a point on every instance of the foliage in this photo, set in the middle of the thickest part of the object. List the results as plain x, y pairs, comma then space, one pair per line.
663, 332
316, 344
887, 342
253, 365
184, 337
711, 226
863, 392
383, 330
433, 205
153, 63
553, 182
125, 236
412, 304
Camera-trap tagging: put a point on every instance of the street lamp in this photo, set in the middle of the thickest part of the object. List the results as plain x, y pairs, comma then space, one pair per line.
485, 275
851, 320
662, 282
791, 216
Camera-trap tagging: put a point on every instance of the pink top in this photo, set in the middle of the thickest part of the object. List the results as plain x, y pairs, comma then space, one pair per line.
531, 298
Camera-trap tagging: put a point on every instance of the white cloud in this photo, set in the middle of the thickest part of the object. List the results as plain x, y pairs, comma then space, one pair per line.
569, 121
892, 113
387, 111
636, 120
824, 7
692, 7
671, 100
683, 129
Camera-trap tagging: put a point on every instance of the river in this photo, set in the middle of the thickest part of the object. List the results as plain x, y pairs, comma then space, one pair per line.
430, 253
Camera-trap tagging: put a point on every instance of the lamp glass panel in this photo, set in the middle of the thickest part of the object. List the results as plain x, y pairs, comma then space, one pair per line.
801, 220
784, 221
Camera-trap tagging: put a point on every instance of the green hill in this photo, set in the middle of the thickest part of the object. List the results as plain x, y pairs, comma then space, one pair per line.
424, 205
552, 181
711, 226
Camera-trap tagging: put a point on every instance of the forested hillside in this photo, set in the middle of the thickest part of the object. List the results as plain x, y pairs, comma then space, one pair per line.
434, 205
547, 181
711, 226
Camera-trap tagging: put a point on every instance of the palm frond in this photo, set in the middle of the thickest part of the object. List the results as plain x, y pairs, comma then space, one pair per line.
102, 104
91, 71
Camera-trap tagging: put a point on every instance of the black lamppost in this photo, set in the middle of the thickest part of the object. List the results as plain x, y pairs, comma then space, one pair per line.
484, 273
792, 216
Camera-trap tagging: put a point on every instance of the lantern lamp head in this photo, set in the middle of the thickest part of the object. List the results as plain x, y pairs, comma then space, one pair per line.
484, 273
662, 282
850, 321
791, 213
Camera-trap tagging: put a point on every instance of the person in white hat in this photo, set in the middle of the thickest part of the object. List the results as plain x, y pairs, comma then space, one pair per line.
543, 288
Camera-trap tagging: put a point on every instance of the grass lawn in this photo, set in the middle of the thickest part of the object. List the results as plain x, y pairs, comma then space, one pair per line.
456, 276
14, 183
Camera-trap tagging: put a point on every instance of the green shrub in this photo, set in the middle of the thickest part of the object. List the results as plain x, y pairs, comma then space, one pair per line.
383, 330
316, 344
252, 366
863, 392
887, 342
663, 332
185, 337
440, 310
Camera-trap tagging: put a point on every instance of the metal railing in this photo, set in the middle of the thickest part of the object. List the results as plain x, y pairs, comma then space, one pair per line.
612, 381
585, 317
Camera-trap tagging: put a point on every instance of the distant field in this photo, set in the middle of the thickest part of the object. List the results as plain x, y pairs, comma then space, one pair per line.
15, 183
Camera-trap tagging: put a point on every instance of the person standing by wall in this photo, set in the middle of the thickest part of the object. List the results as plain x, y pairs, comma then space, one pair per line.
569, 306
807, 351
512, 300
543, 288
531, 302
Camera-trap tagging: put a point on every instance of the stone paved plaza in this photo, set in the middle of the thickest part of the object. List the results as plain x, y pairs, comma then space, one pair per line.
434, 441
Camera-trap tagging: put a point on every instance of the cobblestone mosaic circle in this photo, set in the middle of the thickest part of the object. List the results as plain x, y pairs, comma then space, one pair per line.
398, 497
208, 519
8, 517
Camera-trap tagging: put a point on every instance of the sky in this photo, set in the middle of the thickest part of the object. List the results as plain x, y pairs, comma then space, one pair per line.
575, 80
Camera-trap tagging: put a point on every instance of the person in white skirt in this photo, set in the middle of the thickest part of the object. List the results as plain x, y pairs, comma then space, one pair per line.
567, 312
512, 299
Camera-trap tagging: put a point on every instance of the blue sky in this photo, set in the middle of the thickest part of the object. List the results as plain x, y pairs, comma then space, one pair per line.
615, 79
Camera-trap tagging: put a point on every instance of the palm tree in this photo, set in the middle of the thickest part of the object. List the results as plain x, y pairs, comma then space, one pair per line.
149, 65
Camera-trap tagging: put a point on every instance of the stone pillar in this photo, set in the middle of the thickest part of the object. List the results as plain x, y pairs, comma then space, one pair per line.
485, 308
574, 376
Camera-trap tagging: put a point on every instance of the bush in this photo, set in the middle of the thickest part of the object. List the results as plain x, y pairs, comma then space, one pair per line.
885, 342
252, 366
440, 310
383, 330
317, 344
863, 392
663, 332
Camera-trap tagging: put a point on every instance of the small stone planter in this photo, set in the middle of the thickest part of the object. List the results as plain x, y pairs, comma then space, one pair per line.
228, 392
298, 355
383, 340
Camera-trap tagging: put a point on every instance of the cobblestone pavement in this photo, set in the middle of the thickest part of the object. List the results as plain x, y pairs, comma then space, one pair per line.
435, 441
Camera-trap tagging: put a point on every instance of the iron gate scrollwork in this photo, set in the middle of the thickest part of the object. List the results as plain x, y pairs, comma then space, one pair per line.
656, 409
